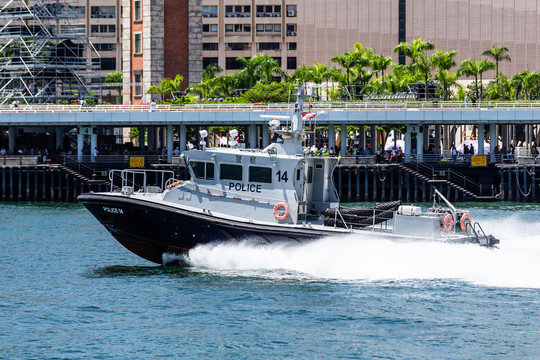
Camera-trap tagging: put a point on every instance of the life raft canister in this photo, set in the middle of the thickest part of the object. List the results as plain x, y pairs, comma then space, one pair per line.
281, 211
174, 184
465, 221
448, 223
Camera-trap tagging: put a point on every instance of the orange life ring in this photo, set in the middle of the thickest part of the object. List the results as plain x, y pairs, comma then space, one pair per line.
174, 184
465, 221
281, 211
448, 223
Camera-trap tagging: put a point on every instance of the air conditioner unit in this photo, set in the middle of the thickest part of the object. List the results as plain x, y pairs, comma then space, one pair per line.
291, 13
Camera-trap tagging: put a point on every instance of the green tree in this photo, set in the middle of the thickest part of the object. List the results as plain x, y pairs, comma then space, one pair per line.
497, 54
211, 70
166, 86
444, 61
116, 77
420, 62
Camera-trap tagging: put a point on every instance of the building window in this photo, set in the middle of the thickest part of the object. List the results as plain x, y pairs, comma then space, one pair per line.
232, 64
269, 46
228, 27
247, 27
137, 77
208, 61
291, 46
291, 29
137, 10
210, 46
105, 47
291, 63
237, 46
209, 28
138, 43
108, 63
103, 12
209, 11
291, 10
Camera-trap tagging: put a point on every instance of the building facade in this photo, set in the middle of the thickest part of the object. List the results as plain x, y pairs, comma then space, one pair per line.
161, 38
307, 31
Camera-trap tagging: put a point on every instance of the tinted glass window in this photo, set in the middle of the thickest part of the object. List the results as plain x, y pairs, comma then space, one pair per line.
260, 174
230, 172
198, 169
210, 171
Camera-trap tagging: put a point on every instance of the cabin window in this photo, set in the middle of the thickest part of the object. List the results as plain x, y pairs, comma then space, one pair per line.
310, 175
203, 170
230, 172
297, 174
260, 174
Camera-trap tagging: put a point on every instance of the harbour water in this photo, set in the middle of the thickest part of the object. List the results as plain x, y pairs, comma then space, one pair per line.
68, 290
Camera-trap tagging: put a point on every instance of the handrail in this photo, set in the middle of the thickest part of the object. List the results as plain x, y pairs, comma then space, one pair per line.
321, 106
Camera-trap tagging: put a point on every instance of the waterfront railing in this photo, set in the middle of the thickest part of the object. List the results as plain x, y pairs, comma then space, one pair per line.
374, 106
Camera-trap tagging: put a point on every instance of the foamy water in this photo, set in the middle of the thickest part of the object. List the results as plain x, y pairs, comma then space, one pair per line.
516, 263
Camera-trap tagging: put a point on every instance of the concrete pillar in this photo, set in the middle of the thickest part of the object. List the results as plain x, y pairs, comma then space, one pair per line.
252, 136
265, 136
59, 138
374, 139
80, 145
492, 141
438, 139
163, 136
170, 143
408, 144
425, 135
344, 135
505, 135
93, 140
420, 144
12, 139
142, 131
480, 139
331, 136
362, 137
152, 138
182, 135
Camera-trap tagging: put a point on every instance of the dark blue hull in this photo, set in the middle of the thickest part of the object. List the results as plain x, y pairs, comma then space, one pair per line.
151, 230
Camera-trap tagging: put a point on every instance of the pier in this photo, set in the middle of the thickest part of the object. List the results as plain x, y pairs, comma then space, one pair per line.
62, 177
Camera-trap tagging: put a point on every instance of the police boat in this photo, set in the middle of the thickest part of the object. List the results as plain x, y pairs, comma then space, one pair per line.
282, 193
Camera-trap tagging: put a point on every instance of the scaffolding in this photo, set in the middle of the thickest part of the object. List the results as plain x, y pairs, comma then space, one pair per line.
45, 55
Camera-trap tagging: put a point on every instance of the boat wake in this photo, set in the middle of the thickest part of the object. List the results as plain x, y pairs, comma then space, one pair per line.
515, 264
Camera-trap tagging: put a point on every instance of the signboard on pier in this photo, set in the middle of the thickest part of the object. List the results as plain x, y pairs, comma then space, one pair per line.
136, 161
479, 160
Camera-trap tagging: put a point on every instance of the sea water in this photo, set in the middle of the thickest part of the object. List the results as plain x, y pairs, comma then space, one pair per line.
68, 290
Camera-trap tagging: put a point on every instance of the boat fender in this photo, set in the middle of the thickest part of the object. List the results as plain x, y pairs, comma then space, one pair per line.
465, 221
448, 223
174, 184
281, 211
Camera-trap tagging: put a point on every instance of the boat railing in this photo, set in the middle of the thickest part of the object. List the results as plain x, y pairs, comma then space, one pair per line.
140, 180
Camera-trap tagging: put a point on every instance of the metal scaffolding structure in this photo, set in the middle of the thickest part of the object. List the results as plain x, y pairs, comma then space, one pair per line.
45, 56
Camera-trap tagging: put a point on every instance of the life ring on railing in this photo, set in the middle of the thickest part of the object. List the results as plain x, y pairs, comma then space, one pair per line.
465, 221
174, 184
281, 211
448, 223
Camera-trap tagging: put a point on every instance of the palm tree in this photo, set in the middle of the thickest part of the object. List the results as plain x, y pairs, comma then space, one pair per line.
347, 60
483, 66
317, 72
211, 70
379, 63
417, 52
267, 68
444, 60
469, 67
414, 50
498, 54
249, 67
166, 87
